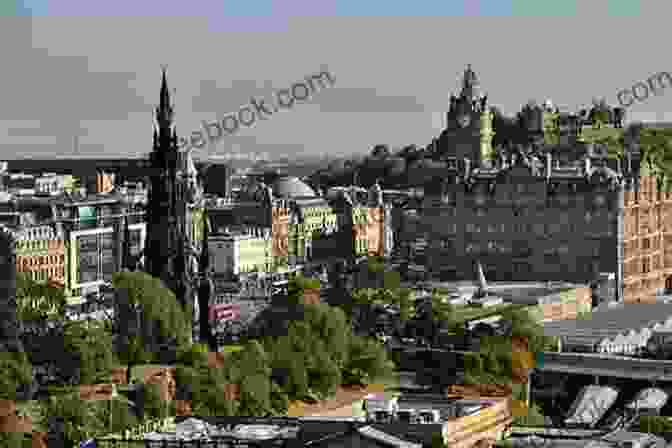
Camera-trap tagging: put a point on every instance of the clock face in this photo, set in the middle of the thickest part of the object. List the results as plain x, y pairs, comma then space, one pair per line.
464, 120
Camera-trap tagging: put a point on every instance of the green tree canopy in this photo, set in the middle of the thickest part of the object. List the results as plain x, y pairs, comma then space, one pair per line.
367, 360
87, 356
158, 306
72, 420
16, 372
38, 301
151, 405
297, 286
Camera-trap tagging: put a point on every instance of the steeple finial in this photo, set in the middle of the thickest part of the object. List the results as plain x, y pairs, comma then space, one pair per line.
470, 83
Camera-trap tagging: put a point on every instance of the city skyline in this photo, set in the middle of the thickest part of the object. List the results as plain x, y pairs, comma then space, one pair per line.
103, 88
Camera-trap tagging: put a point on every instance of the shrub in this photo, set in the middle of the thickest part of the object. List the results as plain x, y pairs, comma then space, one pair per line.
16, 373
195, 355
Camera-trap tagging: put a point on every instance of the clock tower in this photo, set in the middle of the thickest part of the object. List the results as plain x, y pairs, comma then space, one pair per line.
468, 132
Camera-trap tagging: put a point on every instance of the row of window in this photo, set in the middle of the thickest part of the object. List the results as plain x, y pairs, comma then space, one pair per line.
645, 266
45, 274
36, 244
508, 248
40, 260
538, 195
538, 229
361, 245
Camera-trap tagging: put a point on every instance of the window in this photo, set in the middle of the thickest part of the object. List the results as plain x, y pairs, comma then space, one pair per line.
471, 227
521, 268
480, 211
538, 229
600, 200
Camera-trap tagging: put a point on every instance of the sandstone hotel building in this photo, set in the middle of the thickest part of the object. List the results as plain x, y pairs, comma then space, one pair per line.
566, 213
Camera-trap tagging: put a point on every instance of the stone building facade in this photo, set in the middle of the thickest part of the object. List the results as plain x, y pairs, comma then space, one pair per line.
523, 222
305, 226
41, 253
647, 241
540, 214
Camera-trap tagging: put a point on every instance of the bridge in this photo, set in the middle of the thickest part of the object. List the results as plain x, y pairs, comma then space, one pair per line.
598, 364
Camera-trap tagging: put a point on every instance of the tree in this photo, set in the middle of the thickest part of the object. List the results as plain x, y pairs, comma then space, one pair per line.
600, 113
10, 324
297, 286
38, 301
71, 420
151, 404
255, 385
194, 356
656, 148
16, 440
116, 414
367, 360
16, 373
330, 325
87, 356
380, 151
534, 417
162, 325
615, 146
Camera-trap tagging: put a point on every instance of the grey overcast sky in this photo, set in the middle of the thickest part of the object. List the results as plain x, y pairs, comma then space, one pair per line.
99, 77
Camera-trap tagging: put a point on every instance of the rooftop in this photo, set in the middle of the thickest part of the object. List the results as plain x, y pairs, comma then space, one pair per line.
292, 187
610, 322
